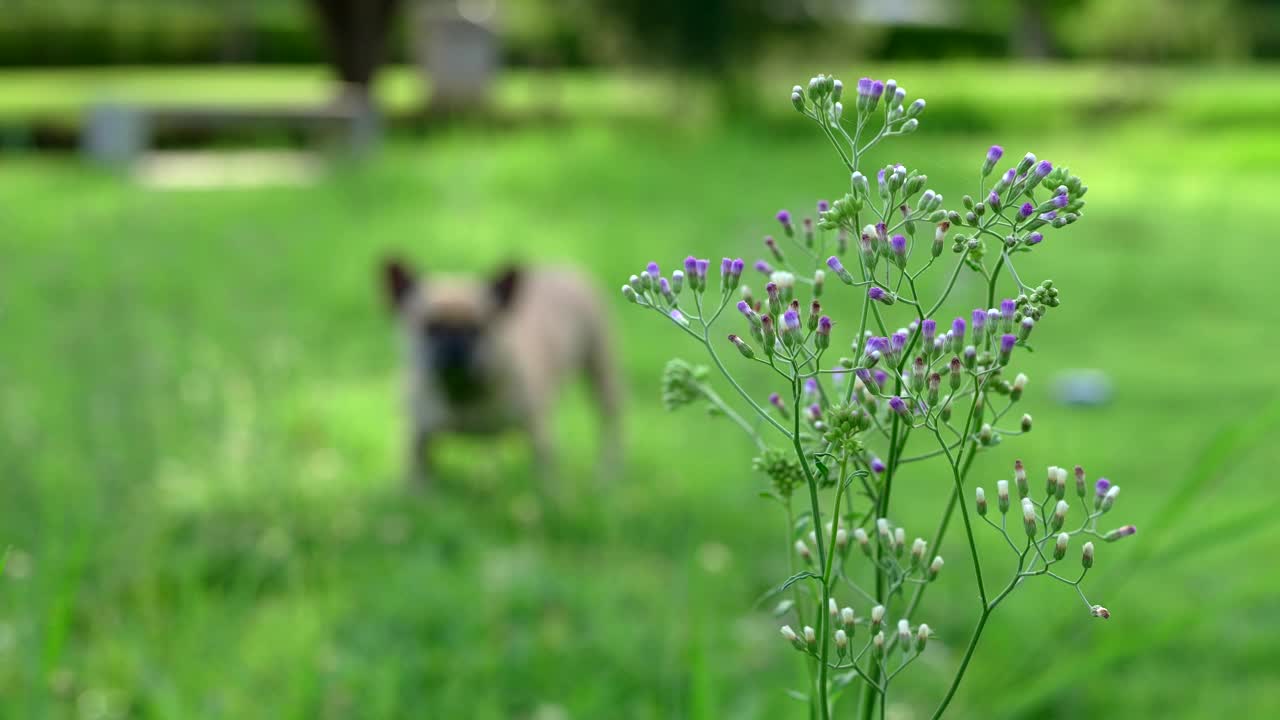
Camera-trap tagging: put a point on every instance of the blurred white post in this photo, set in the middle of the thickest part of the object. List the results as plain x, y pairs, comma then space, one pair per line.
456, 47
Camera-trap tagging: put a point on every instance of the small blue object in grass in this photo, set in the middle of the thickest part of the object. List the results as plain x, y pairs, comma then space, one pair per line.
1083, 387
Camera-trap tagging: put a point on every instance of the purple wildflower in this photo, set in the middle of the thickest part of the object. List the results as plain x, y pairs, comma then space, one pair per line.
1043, 168
784, 217
864, 86
957, 329
1007, 342
898, 341
929, 328
881, 377
1101, 487
899, 406
701, 266
994, 153
823, 206
791, 320
1049, 216
1008, 308
877, 465
1061, 201
836, 266
726, 266
811, 386
815, 412
764, 267
875, 293
899, 245
654, 271
691, 266
824, 325
1034, 238
736, 267
776, 400
1026, 210
1009, 176
979, 319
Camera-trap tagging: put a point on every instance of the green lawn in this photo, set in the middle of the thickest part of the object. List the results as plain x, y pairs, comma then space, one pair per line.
200, 445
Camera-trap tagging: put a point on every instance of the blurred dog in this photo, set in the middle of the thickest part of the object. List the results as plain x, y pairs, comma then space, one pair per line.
488, 357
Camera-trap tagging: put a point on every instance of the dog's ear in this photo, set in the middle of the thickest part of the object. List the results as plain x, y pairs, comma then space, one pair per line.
398, 282
506, 285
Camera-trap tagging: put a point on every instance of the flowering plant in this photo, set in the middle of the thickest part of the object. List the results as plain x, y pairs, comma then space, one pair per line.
823, 436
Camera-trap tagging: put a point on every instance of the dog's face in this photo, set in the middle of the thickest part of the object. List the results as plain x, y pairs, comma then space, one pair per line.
449, 325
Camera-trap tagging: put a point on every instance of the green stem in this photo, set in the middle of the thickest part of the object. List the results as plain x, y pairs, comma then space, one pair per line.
816, 510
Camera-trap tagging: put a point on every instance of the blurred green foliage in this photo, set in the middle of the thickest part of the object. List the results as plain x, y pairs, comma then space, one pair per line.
719, 35
199, 430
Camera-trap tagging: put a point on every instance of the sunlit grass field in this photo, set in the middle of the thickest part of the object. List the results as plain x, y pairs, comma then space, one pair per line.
200, 440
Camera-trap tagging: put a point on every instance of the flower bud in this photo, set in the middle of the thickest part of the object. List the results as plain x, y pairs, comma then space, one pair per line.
1002, 495
847, 619
1007, 342
1026, 422
1025, 163
1110, 498
1060, 482
833, 610
880, 295
1024, 330
898, 246
899, 406
922, 637
918, 546
837, 267
629, 293
1080, 481
904, 635
939, 237
899, 541
914, 110
803, 551
810, 638
784, 219
797, 98
980, 496
994, 153
790, 636
677, 281
877, 645
1119, 533
1029, 517
935, 567
1086, 555
1099, 611
1020, 478
842, 643
1059, 514
1060, 546
742, 346
819, 279
877, 617
864, 542
1019, 384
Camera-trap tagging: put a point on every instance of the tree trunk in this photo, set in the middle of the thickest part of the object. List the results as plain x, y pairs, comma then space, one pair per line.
357, 33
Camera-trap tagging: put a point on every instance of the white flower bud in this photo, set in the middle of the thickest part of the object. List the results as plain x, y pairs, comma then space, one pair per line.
1002, 495
981, 501
1019, 384
899, 541
813, 538
922, 637
882, 529
803, 551
877, 644
1060, 513
788, 633
833, 609
1110, 498
847, 619
1020, 478
1029, 517
1101, 612
1060, 546
842, 643
1086, 555
935, 567
904, 634
863, 541
877, 617
917, 551
810, 637
842, 540
1050, 482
